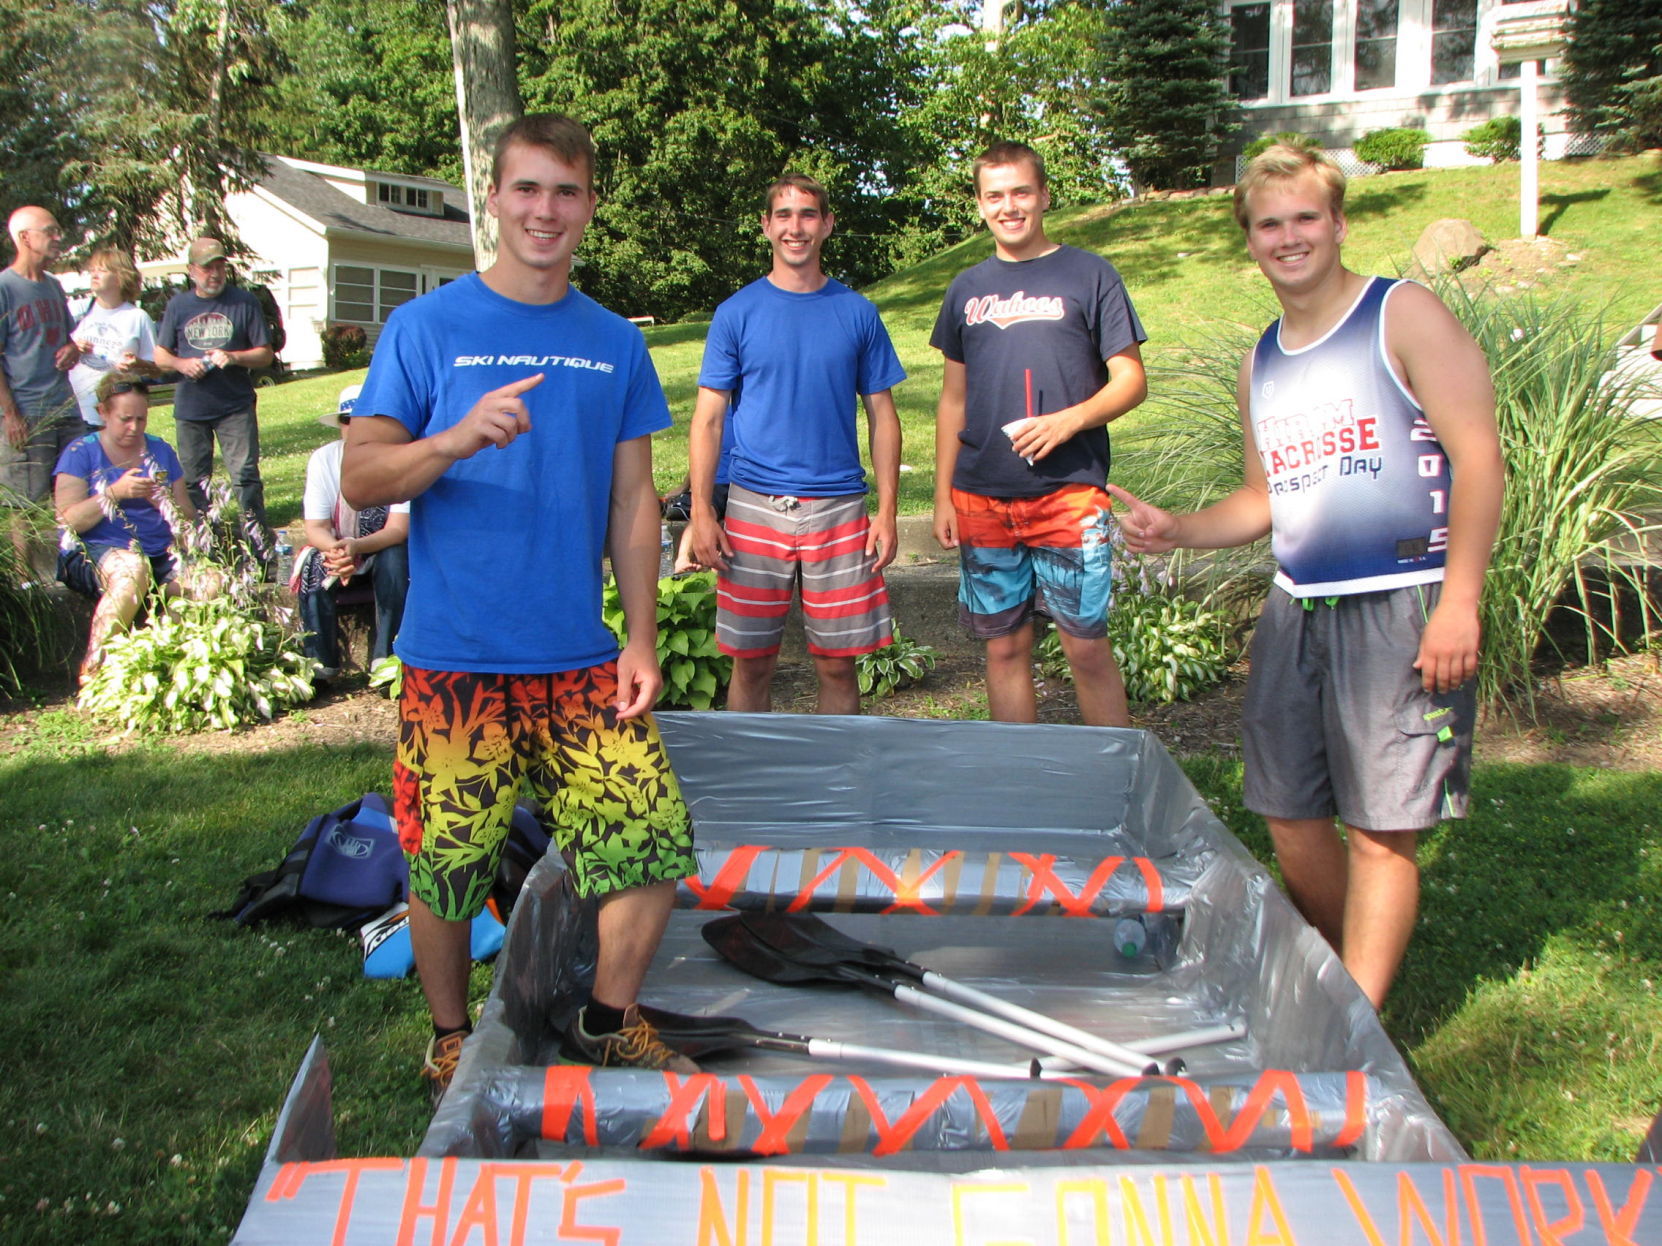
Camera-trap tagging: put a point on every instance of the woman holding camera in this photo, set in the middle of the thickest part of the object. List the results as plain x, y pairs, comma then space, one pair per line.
114, 490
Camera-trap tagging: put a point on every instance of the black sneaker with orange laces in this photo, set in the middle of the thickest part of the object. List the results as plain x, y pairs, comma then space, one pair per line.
635, 1045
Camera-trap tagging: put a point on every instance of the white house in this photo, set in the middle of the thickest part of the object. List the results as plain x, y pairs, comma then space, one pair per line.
1336, 69
344, 246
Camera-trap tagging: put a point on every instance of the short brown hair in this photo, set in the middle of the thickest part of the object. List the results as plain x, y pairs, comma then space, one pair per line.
1285, 163
796, 181
113, 383
117, 261
1009, 153
568, 140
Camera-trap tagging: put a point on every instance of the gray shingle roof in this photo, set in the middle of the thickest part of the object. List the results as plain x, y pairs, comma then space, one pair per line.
335, 210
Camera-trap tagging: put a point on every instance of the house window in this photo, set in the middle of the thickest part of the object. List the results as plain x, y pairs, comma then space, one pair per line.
355, 294
401, 196
1453, 40
1249, 61
396, 288
1376, 44
1312, 47
368, 295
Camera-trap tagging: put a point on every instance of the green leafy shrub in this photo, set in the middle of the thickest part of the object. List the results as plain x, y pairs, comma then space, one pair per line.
883, 671
1290, 138
1168, 648
388, 673
1498, 139
345, 346
1393, 149
198, 665
695, 671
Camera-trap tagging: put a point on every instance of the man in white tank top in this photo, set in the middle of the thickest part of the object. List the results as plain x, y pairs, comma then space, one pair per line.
1366, 399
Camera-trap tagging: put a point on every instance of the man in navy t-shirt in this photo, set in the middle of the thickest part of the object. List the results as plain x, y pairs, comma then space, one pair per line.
1042, 353
785, 358
213, 334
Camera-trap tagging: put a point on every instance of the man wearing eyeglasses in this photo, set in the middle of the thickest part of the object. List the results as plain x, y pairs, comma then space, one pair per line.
212, 334
37, 405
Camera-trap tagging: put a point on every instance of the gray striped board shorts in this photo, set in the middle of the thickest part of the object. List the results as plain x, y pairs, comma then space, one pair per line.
781, 544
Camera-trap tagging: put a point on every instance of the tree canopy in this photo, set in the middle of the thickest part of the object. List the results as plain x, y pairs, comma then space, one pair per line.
131, 118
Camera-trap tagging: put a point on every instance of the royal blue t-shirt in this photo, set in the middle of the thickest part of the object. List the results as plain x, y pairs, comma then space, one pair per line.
796, 364
135, 518
506, 546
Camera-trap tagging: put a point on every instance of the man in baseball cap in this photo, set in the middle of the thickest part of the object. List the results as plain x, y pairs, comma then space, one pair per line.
213, 334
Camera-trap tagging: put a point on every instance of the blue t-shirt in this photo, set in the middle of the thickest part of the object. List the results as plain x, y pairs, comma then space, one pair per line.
138, 520
506, 546
796, 364
1057, 317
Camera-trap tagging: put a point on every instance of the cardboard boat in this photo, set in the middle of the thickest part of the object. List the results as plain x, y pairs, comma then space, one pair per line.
1002, 857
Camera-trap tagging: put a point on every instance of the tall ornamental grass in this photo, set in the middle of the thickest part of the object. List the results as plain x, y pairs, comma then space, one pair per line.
28, 637
1584, 477
1583, 480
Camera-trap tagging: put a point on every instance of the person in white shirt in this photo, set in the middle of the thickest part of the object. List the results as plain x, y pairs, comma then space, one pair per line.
342, 543
114, 333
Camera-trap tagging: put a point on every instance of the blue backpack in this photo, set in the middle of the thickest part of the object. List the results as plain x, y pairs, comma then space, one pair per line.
347, 868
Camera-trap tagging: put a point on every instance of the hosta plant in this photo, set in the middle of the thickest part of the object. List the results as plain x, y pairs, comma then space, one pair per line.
198, 665
388, 673
1168, 648
695, 671
883, 671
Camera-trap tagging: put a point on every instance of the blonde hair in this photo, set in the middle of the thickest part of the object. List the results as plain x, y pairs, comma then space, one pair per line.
1284, 163
121, 264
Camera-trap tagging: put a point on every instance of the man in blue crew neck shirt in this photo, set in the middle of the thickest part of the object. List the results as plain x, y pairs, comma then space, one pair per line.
515, 414
784, 359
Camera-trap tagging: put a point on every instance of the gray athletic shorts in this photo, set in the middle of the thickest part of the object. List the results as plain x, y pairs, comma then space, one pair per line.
1335, 720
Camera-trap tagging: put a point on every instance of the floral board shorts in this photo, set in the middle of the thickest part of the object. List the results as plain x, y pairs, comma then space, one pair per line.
470, 742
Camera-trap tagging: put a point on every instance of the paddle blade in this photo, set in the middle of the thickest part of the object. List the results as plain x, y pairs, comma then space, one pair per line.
807, 939
736, 944
698, 1036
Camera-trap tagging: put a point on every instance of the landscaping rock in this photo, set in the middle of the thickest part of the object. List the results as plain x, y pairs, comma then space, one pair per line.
1447, 246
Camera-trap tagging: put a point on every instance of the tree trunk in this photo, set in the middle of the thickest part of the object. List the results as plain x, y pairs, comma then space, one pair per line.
487, 99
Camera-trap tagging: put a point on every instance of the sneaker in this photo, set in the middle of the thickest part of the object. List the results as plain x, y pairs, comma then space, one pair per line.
439, 1068
635, 1046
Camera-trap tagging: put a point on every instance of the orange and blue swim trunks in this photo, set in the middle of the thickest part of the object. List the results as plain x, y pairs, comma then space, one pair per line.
469, 743
1024, 556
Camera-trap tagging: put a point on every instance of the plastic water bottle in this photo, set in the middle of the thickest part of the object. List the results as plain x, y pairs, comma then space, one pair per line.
1130, 937
666, 553
285, 558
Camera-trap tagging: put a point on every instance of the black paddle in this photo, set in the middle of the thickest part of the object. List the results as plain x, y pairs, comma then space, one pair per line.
805, 962
810, 939
698, 1037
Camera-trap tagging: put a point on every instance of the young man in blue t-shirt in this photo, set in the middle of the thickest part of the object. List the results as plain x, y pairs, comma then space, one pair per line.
1372, 461
515, 415
1042, 351
783, 362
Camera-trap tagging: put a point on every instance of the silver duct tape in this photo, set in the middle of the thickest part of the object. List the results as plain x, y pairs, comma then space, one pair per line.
933, 881
839, 1114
